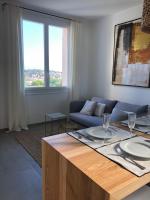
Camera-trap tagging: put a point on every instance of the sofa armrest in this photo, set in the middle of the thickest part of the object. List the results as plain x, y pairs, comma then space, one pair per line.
76, 106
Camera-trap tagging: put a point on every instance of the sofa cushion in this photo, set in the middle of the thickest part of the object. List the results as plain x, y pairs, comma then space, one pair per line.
86, 120
88, 108
76, 106
110, 104
118, 113
99, 110
138, 109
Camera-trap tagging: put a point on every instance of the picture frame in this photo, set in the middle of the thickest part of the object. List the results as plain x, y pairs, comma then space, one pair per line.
131, 62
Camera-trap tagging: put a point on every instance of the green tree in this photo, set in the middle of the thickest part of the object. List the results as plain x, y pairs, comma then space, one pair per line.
55, 82
38, 83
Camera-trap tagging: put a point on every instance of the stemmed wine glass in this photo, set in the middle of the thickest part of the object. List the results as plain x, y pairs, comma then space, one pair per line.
106, 123
148, 112
131, 121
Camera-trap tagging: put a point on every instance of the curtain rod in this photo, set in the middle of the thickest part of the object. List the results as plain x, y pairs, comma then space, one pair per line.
42, 12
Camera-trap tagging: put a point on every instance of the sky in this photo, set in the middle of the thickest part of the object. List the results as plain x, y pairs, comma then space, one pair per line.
33, 39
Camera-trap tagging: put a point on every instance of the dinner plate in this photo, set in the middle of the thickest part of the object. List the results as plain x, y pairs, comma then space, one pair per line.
99, 133
136, 148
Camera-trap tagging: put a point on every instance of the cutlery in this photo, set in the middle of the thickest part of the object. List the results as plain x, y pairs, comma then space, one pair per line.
113, 129
126, 158
144, 144
143, 129
147, 141
81, 135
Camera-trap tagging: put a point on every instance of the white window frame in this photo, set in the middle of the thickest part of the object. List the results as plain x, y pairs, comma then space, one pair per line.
47, 20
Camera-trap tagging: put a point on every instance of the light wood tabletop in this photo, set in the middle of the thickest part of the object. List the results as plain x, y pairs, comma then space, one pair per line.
74, 171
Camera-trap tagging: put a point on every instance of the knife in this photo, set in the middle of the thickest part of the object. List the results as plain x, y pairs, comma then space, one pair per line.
84, 136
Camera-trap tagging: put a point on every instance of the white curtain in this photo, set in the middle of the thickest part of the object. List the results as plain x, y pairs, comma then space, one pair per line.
14, 67
74, 67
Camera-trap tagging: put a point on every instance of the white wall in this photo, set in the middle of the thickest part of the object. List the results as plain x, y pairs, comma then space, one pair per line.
102, 60
38, 105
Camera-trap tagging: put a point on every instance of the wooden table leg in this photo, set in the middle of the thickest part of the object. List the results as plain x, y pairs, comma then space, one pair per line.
63, 181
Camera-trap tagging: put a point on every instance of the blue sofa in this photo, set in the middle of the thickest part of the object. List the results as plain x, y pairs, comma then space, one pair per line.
115, 108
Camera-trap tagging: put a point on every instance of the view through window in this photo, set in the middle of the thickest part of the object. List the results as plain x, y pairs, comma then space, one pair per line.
40, 52
55, 56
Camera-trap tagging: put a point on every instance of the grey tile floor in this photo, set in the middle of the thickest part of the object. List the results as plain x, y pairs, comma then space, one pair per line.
20, 175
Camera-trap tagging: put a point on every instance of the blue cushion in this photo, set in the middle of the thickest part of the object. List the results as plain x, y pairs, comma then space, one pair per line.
118, 115
138, 109
110, 104
86, 120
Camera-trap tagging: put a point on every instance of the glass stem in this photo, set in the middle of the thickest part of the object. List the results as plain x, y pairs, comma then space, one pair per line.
131, 130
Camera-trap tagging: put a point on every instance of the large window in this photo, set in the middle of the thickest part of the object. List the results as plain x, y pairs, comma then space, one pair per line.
45, 49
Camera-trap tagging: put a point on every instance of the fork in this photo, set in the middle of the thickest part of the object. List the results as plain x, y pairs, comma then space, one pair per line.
80, 135
130, 160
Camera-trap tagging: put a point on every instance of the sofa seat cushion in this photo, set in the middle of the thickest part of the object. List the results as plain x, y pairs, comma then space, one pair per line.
86, 120
118, 113
110, 104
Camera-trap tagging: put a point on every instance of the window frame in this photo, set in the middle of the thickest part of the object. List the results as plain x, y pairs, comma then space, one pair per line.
47, 21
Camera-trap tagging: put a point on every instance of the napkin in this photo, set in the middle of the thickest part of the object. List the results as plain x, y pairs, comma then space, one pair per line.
117, 135
109, 152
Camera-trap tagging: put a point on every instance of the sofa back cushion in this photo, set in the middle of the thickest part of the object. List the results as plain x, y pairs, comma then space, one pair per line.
118, 113
76, 106
110, 104
138, 109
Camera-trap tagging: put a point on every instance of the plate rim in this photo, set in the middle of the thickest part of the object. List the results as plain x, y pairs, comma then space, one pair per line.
140, 123
126, 151
98, 137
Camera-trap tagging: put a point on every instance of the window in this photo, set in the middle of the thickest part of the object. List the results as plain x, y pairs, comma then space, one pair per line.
33, 54
45, 51
57, 55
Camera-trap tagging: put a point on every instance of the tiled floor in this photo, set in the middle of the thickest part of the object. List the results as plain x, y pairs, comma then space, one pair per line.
20, 175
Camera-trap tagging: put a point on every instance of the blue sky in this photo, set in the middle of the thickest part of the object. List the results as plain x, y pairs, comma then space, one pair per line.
33, 38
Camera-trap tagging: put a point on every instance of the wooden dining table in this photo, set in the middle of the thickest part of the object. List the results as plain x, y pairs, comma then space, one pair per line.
73, 171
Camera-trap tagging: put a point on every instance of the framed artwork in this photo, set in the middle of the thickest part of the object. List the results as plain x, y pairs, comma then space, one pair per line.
131, 65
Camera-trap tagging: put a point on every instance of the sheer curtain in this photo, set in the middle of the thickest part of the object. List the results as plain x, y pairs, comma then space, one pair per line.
13, 64
74, 68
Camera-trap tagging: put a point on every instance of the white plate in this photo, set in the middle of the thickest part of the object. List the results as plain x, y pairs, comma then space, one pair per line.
99, 133
136, 148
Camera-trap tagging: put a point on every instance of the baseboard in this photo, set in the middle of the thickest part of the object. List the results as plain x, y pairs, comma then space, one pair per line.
3, 130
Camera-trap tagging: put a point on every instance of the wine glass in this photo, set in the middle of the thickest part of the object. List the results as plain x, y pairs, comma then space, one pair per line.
148, 112
131, 121
106, 121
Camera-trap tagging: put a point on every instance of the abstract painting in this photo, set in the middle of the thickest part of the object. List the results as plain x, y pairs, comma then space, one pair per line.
131, 55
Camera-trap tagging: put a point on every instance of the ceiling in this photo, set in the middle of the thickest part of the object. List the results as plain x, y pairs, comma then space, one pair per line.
84, 8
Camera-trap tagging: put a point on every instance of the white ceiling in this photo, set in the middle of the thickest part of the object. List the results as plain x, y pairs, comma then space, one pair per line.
84, 8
